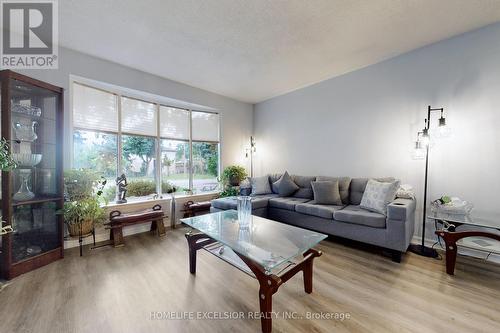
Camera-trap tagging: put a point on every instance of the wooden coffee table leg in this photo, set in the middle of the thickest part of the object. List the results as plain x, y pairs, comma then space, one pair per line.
269, 283
266, 309
196, 242
307, 272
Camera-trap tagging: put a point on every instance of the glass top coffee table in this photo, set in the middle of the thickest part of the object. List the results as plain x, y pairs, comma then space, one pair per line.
267, 250
466, 231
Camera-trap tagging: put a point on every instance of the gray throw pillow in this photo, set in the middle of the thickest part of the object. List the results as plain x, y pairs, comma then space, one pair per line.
378, 195
285, 185
326, 193
260, 185
344, 184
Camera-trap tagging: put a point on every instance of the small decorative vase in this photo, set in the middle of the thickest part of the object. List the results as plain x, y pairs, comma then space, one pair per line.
24, 193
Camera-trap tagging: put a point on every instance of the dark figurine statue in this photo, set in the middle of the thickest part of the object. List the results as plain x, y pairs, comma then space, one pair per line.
121, 183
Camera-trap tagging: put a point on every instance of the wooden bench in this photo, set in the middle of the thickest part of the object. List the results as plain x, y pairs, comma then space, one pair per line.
191, 208
117, 221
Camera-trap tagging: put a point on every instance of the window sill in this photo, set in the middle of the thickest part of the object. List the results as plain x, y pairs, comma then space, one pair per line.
155, 201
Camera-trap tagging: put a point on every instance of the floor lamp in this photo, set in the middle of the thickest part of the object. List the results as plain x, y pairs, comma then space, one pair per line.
421, 152
249, 152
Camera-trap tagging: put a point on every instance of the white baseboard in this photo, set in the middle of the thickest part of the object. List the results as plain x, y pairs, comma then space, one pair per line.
461, 251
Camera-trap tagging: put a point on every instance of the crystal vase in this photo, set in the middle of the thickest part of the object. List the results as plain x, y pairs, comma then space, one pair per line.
244, 211
24, 193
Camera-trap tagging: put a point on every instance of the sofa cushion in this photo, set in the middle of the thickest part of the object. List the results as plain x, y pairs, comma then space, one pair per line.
326, 192
286, 203
260, 185
258, 201
314, 209
286, 186
358, 186
273, 178
378, 195
305, 188
344, 183
357, 215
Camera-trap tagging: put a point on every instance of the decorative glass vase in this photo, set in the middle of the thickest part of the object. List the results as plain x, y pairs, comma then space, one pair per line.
244, 211
24, 193
25, 130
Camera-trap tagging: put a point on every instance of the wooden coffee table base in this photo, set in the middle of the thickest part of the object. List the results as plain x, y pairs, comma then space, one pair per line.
450, 240
269, 283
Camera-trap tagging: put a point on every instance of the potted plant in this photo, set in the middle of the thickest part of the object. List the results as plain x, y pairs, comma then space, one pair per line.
233, 175
6, 164
82, 211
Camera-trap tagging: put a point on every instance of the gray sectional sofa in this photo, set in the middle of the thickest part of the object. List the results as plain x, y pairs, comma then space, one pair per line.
392, 231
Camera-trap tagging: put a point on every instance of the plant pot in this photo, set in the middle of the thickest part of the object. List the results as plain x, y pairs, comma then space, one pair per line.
234, 181
86, 228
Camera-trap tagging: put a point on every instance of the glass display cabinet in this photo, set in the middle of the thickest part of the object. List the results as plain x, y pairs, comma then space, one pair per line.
32, 125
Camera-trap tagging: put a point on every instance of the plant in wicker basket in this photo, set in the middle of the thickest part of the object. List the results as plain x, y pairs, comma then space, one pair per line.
82, 210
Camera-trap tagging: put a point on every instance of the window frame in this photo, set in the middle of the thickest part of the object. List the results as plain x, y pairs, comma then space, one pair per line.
119, 134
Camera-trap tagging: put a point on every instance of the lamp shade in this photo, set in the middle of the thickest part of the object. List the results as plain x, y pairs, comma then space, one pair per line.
418, 151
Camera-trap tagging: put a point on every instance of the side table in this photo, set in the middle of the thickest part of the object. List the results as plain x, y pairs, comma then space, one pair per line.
474, 229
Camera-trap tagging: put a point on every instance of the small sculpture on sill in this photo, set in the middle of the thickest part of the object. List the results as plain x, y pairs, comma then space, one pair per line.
121, 183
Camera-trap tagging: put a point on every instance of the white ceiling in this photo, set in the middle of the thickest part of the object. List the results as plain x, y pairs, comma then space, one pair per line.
252, 50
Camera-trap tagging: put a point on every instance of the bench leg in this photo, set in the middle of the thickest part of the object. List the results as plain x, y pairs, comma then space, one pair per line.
158, 227
116, 236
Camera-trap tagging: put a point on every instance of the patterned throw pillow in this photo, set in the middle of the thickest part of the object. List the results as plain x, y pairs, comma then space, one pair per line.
285, 185
378, 195
260, 185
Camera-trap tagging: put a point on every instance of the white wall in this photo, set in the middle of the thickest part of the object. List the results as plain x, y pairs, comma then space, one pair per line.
236, 117
364, 123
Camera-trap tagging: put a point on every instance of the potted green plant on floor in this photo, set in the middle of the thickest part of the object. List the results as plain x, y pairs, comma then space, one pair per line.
82, 210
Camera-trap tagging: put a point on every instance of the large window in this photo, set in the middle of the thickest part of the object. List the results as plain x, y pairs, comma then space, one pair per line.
157, 147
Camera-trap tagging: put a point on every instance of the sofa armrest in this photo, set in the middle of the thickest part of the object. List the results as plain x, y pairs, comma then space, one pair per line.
400, 223
401, 210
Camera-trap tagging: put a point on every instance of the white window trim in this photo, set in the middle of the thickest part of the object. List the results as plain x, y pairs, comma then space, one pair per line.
118, 93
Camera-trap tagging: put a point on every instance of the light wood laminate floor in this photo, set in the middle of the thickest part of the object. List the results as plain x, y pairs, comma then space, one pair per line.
116, 290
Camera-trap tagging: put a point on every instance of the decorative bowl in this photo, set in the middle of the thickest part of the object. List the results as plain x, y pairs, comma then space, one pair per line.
27, 160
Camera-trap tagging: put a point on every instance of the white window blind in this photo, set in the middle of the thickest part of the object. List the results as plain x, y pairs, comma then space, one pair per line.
205, 126
174, 123
94, 109
138, 117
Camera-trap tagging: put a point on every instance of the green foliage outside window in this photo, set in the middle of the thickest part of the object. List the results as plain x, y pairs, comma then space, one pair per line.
143, 147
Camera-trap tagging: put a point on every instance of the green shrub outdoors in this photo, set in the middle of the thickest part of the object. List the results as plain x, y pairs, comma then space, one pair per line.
82, 183
109, 193
140, 188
